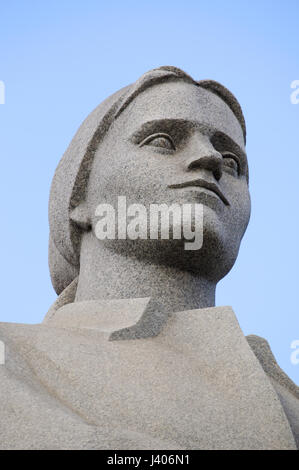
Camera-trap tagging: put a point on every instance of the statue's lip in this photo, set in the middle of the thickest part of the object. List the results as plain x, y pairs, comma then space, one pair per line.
202, 184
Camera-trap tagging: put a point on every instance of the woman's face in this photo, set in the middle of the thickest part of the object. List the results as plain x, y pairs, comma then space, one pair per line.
177, 144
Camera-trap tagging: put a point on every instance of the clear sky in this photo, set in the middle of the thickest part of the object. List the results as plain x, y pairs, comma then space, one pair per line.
60, 59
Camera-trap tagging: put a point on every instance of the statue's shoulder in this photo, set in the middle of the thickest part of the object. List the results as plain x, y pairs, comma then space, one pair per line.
264, 354
13, 336
286, 389
31, 415
7, 333
16, 344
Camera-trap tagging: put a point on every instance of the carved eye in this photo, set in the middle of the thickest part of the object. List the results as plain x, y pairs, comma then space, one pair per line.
160, 140
230, 163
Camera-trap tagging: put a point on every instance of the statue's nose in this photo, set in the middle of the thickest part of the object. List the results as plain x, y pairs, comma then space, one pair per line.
205, 157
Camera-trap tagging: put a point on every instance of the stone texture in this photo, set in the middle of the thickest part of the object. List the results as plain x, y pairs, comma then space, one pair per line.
107, 159
196, 385
287, 391
165, 368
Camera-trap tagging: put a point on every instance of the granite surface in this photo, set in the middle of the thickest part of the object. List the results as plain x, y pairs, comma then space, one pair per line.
195, 385
165, 368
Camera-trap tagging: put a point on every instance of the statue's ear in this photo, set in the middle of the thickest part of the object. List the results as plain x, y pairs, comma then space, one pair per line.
79, 215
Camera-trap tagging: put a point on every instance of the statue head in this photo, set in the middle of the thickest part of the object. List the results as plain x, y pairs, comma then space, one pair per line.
166, 139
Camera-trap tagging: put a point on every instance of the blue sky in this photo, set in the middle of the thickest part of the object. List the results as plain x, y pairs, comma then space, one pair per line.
60, 59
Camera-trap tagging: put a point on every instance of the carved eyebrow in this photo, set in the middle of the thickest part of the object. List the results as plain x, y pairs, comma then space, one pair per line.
179, 127
176, 127
222, 138
222, 142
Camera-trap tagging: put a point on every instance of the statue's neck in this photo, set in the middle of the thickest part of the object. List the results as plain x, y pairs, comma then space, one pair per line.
107, 274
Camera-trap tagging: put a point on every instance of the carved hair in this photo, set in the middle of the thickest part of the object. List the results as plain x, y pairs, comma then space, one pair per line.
71, 177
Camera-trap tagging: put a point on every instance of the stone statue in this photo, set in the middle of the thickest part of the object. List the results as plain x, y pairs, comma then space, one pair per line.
134, 354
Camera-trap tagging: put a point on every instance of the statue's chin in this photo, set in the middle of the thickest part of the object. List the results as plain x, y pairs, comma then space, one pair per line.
210, 254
